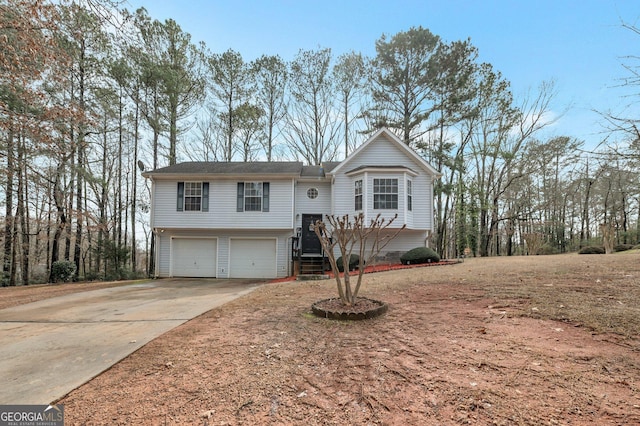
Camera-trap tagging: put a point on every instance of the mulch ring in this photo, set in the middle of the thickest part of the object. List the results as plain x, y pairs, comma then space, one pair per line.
363, 308
379, 268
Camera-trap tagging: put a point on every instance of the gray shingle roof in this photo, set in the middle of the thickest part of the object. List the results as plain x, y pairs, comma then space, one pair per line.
231, 168
379, 167
318, 171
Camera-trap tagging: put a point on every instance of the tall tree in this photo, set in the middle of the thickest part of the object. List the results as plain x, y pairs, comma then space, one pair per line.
248, 120
270, 74
230, 85
85, 41
350, 74
183, 80
29, 57
404, 73
502, 130
311, 126
551, 165
625, 122
174, 75
454, 91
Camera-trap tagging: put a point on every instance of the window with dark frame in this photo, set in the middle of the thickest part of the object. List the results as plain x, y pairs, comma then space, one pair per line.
193, 197
253, 196
358, 195
385, 194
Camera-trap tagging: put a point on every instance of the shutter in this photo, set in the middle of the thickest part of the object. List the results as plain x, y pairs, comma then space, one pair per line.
180, 201
240, 201
265, 196
205, 196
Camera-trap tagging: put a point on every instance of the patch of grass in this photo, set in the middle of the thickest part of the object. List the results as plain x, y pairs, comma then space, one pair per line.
602, 296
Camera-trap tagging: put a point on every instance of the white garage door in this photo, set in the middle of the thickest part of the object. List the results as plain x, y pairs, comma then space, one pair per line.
253, 258
193, 257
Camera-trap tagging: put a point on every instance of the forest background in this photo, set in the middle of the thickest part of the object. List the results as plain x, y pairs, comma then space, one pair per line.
91, 94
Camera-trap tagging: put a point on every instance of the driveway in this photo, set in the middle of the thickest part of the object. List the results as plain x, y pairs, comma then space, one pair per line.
51, 347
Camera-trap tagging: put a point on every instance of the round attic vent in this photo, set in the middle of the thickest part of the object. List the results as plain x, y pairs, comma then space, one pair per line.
312, 193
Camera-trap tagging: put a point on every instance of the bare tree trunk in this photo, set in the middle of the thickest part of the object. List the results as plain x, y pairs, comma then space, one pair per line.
484, 233
585, 224
7, 264
79, 212
21, 212
69, 209
102, 206
80, 167
87, 253
14, 254
61, 224
134, 190
119, 188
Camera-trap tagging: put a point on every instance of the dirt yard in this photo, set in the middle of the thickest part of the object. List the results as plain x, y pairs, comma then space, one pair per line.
546, 340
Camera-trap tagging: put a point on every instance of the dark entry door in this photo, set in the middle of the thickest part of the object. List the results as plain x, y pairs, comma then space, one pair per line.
309, 240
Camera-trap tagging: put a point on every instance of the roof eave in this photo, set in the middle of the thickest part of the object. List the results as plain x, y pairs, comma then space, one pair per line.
219, 176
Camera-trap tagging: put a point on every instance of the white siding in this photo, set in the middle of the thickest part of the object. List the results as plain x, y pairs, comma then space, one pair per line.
305, 205
382, 153
422, 202
163, 248
222, 208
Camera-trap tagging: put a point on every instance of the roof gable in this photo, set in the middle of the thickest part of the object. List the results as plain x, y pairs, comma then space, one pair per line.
394, 141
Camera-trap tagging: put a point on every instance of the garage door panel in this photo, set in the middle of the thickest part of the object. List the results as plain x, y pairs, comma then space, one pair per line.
194, 257
253, 258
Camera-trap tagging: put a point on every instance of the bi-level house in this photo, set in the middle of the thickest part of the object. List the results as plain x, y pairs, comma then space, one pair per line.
252, 220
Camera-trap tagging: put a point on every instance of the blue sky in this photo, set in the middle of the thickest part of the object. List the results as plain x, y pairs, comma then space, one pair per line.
581, 45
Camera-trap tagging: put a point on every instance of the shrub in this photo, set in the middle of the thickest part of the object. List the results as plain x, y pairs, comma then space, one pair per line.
622, 247
92, 276
354, 261
63, 270
419, 255
547, 249
592, 250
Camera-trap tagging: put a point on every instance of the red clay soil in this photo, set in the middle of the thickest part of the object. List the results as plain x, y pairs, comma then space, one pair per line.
448, 352
379, 268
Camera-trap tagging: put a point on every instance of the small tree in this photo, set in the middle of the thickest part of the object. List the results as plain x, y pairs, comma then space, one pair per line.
346, 233
534, 241
608, 237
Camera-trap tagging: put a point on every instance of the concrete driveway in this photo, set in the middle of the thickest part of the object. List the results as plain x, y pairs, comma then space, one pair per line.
50, 347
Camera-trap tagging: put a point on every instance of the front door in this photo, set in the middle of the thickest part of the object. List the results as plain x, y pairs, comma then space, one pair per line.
310, 243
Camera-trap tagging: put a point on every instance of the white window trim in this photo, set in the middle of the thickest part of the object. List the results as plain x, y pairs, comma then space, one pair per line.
397, 193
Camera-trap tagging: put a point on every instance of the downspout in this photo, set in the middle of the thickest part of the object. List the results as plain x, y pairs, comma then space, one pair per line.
426, 240
156, 254
290, 270
365, 201
294, 185
154, 233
